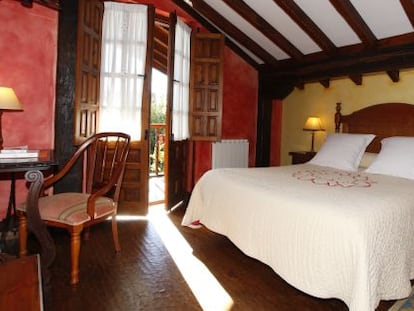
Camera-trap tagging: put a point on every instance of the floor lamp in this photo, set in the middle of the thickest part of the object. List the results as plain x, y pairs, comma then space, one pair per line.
313, 124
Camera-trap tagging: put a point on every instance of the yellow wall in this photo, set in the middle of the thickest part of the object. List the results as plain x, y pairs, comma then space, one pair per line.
315, 100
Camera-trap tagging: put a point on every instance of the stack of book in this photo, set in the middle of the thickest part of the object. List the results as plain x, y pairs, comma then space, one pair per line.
20, 152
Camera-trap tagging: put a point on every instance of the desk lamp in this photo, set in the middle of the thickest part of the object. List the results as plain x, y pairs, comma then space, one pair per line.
8, 101
313, 124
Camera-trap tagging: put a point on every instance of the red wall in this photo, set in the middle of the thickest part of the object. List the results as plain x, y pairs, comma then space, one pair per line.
240, 101
239, 118
28, 43
29, 38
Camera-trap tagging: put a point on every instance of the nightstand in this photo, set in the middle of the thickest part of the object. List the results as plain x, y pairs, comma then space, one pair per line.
299, 157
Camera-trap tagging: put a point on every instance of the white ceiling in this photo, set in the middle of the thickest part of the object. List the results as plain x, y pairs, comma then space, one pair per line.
385, 18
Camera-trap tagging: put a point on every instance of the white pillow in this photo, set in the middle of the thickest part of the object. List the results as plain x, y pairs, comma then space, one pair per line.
396, 158
367, 159
342, 151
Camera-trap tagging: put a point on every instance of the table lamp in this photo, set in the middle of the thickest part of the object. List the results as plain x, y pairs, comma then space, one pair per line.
8, 101
313, 124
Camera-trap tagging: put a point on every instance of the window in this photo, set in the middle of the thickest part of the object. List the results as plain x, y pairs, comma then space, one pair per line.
124, 43
181, 81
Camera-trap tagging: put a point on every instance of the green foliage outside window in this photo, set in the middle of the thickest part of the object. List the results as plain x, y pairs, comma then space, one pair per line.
158, 116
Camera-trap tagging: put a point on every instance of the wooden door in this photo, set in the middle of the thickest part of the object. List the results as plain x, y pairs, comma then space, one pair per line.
134, 191
177, 174
177, 155
88, 63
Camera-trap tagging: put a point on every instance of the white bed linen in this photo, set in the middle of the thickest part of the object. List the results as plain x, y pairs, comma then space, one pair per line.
327, 232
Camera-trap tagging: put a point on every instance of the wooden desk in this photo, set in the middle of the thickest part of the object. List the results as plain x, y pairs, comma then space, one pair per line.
11, 169
34, 168
44, 162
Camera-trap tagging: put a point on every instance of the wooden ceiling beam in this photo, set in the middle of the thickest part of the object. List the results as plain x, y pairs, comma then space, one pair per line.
408, 6
210, 27
161, 34
160, 45
159, 65
346, 66
371, 55
161, 55
397, 43
367, 64
355, 21
401, 40
264, 27
161, 20
160, 60
394, 75
300, 85
325, 83
307, 25
231, 30
356, 78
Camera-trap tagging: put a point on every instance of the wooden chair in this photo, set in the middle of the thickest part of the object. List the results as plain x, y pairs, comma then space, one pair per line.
104, 156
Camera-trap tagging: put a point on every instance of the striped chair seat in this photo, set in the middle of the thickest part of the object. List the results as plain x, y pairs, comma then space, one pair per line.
70, 208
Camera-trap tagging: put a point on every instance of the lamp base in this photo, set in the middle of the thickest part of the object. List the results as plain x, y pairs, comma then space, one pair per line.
313, 140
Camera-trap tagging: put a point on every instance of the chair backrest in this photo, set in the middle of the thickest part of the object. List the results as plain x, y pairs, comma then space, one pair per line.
104, 163
104, 156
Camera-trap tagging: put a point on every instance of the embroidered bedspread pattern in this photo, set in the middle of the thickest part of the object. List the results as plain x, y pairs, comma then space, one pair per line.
334, 178
329, 233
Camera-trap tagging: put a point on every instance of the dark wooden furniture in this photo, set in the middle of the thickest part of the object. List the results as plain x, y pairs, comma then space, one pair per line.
20, 286
33, 168
104, 156
299, 157
44, 162
383, 120
15, 168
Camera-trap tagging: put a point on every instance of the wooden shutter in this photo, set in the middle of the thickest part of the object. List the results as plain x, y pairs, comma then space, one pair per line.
206, 86
88, 62
176, 168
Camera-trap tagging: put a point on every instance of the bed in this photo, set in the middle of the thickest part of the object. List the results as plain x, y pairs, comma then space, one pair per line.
332, 233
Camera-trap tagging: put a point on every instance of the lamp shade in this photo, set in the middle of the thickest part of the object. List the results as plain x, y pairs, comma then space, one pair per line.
8, 99
313, 124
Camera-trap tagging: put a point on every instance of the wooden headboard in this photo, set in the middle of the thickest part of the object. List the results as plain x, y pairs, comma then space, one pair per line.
383, 120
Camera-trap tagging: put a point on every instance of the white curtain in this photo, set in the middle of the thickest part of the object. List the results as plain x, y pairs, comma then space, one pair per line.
181, 91
124, 43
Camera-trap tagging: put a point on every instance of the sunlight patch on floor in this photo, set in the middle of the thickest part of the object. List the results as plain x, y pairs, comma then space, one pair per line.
130, 218
205, 287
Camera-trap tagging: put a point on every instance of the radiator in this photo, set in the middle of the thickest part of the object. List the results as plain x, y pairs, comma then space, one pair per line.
230, 153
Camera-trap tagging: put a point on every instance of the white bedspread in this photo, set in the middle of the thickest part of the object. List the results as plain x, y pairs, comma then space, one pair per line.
329, 233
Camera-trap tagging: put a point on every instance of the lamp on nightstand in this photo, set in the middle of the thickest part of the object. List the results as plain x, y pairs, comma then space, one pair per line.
8, 101
313, 124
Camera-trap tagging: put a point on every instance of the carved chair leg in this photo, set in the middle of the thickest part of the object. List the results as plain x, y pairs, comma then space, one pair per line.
22, 234
75, 243
115, 234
